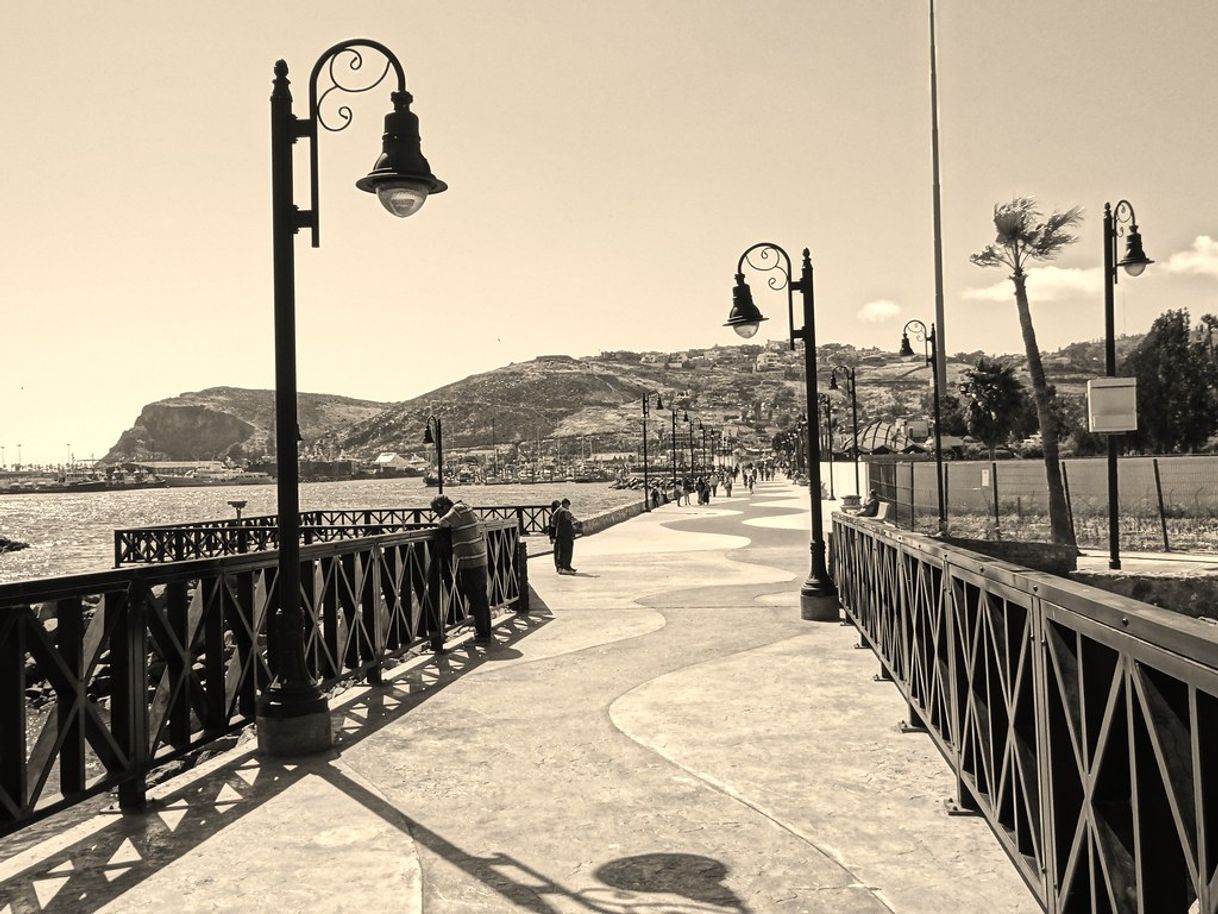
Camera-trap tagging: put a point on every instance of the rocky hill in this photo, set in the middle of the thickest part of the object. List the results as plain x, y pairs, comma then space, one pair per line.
748, 389
230, 422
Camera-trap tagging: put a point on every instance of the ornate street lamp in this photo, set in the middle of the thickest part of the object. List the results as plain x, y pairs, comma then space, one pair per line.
930, 350
689, 428
1134, 263
827, 399
646, 413
293, 716
852, 389
674, 440
437, 439
818, 596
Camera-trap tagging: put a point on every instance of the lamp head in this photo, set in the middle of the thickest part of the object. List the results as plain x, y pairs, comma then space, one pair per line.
1135, 259
659, 402
906, 350
427, 436
744, 317
401, 177
685, 418
833, 380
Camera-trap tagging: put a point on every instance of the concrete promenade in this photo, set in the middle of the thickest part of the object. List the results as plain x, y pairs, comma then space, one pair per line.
661, 734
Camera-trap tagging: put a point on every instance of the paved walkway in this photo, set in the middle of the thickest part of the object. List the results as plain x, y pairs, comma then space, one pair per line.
661, 734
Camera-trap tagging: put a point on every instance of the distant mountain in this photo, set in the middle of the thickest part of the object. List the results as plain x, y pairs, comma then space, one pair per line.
750, 389
230, 422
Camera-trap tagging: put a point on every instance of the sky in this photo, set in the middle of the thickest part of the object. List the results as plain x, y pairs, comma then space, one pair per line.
608, 162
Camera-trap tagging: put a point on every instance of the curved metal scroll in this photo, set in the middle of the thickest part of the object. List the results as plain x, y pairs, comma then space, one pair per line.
351, 54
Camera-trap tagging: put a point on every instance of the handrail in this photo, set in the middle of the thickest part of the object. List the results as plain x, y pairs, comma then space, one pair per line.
1080, 724
228, 536
106, 675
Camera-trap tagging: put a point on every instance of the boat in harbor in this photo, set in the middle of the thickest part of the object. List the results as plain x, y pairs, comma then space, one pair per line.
221, 477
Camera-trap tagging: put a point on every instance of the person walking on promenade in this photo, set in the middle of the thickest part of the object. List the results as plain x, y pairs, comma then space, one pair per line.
714, 484
565, 528
469, 549
554, 506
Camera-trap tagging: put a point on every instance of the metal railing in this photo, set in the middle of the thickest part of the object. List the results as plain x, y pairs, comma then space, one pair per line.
106, 676
230, 536
1166, 503
1083, 726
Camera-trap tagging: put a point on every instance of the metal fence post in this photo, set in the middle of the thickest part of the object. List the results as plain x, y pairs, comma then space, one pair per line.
912, 482
522, 577
994, 492
1162, 513
1069, 503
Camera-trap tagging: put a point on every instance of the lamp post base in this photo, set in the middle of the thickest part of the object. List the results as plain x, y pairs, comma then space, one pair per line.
818, 602
293, 720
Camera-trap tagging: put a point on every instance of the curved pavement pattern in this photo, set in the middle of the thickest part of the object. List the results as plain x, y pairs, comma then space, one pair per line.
663, 734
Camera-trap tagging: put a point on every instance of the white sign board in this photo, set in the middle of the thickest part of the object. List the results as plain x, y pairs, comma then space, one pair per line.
1112, 405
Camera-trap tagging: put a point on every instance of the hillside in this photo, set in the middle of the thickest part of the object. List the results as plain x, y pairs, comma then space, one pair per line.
229, 422
747, 389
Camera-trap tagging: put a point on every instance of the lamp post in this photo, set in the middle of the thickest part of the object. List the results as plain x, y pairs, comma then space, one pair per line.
930, 350
828, 401
436, 438
674, 443
1134, 262
852, 389
689, 428
292, 715
818, 596
646, 478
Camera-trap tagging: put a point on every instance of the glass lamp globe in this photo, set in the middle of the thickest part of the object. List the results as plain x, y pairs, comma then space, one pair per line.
1135, 268
402, 197
746, 330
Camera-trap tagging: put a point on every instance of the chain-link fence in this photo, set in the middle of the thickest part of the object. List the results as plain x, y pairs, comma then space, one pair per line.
1166, 503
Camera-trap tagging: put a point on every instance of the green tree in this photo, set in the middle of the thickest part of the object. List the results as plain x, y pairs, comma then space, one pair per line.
1023, 238
1177, 404
993, 399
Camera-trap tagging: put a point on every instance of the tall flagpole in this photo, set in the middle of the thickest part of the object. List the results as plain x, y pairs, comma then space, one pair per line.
940, 322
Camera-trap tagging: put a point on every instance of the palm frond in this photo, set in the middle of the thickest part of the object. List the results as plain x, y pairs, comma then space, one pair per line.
992, 255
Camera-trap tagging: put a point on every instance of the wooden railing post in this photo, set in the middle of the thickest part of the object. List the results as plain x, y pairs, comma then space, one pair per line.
129, 687
13, 776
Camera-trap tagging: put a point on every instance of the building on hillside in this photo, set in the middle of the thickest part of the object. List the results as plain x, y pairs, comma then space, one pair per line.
654, 358
768, 361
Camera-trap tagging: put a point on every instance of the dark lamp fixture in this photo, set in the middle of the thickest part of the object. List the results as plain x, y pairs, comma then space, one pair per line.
906, 350
401, 177
1135, 259
833, 381
744, 317
685, 418
659, 402
427, 438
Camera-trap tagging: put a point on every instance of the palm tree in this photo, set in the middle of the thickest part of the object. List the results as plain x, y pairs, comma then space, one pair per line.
1024, 238
993, 397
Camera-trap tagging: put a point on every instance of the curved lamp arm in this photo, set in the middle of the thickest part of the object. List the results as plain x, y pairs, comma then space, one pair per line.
766, 252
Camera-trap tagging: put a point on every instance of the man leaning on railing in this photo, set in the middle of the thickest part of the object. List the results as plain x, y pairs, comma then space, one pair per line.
469, 549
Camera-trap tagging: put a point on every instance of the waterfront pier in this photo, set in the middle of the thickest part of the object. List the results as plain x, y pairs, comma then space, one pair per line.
661, 732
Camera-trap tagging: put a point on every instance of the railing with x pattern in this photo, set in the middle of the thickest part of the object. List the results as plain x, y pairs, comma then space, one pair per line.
1083, 726
232, 536
105, 676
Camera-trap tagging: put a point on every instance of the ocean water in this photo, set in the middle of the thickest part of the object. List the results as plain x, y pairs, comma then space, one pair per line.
75, 532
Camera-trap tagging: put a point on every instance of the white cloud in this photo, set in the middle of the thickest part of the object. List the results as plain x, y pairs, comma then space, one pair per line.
1201, 260
1046, 284
875, 312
